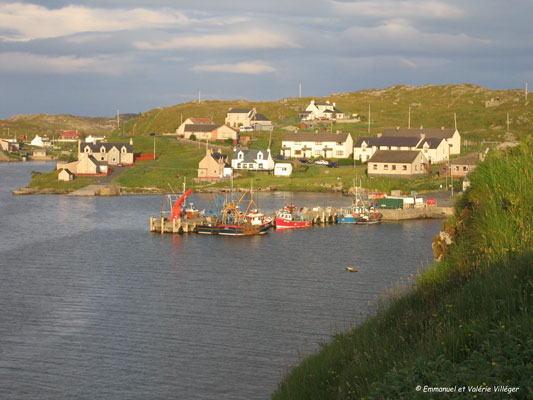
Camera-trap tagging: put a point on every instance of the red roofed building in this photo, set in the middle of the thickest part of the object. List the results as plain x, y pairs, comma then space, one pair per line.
69, 135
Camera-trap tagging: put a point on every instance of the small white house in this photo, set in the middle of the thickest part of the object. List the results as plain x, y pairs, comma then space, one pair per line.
253, 160
39, 141
283, 169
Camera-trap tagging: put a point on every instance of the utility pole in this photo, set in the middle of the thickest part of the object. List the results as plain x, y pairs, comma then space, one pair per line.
118, 117
369, 119
199, 96
409, 123
455, 120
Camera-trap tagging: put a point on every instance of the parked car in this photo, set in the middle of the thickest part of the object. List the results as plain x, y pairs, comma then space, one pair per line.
333, 164
321, 162
280, 157
153, 134
246, 129
304, 161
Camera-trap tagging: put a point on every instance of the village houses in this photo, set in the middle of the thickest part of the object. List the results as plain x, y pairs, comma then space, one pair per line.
435, 149
95, 158
318, 144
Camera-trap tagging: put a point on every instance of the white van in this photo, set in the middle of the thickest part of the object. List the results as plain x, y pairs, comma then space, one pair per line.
246, 129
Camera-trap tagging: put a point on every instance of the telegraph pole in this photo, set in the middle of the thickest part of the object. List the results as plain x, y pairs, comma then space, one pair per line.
409, 123
369, 119
118, 117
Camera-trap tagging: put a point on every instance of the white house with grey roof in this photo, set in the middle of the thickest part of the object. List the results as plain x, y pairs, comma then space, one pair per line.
321, 110
451, 136
318, 144
253, 160
237, 117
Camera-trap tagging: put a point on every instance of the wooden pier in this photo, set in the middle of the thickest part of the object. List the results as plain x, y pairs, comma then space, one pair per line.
319, 216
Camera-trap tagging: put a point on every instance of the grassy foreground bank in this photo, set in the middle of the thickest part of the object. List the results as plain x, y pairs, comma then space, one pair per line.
465, 330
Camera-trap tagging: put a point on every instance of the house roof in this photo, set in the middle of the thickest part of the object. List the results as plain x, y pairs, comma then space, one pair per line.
201, 120
97, 162
432, 142
400, 141
95, 147
250, 155
200, 127
429, 133
371, 141
218, 156
315, 137
69, 134
260, 117
394, 156
239, 111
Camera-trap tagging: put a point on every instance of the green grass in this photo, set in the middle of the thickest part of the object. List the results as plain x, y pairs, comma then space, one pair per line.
467, 321
49, 180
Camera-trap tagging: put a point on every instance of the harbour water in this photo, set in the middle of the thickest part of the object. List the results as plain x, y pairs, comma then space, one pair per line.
95, 306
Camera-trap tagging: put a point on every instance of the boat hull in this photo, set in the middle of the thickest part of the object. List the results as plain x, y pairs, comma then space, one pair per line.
283, 224
239, 230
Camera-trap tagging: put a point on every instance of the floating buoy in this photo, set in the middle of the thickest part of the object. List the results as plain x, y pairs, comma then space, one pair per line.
351, 269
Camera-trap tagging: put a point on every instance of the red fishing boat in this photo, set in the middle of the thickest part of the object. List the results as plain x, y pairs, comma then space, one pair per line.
290, 218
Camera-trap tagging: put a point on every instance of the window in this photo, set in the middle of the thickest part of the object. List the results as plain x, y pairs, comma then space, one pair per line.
416, 167
465, 168
339, 153
318, 143
297, 152
386, 167
318, 152
123, 149
394, 167
374, 166
102, 149
456, 168
297, 142
404, 167
87, 149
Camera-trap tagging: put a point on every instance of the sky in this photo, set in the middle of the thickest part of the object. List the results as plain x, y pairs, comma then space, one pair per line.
93, 58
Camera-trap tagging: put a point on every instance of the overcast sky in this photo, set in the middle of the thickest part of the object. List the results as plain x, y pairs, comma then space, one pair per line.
93, 58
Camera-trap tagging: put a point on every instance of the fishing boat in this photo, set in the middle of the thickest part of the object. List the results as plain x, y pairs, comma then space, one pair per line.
359, 213
290, 218
369, 217
229, 220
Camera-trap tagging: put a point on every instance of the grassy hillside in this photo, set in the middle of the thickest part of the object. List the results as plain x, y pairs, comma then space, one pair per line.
431, 107
52, 125
466, 323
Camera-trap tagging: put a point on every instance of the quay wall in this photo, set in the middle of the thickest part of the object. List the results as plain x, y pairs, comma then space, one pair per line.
417, 213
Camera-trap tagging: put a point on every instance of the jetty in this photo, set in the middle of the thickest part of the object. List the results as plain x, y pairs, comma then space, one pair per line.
317, 215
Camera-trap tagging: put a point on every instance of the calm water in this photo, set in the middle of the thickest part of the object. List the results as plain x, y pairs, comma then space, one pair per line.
95, 306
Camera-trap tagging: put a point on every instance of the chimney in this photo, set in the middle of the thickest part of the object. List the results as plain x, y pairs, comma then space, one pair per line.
380, 134
131, 141
421, 127
442, 128
334, 104
397, 128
